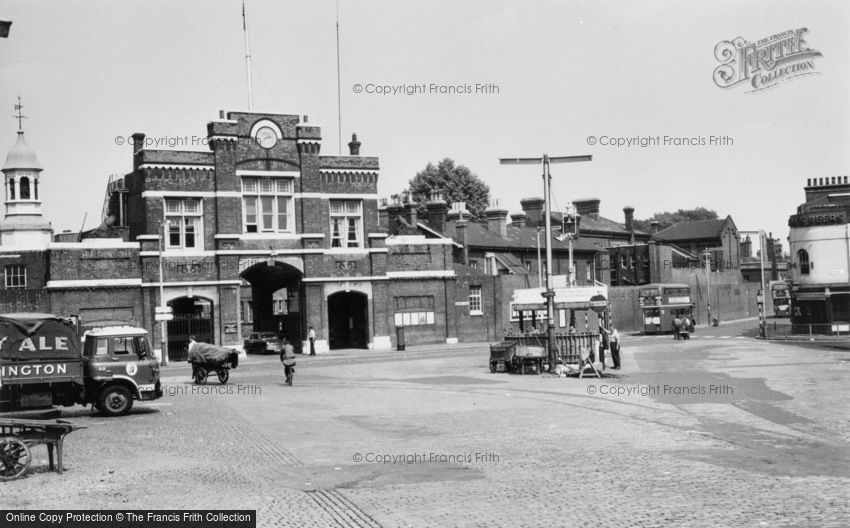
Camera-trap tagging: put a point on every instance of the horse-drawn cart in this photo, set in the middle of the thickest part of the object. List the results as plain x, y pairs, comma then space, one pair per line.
17, 436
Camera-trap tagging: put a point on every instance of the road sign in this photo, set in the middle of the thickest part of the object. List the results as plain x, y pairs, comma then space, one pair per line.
598, 303
163, 309
163, 317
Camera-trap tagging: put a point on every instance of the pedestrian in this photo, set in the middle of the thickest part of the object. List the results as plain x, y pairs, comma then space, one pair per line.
191, 355
287, 357
311, 335
615, 347
686, 328
603, 345
677, 328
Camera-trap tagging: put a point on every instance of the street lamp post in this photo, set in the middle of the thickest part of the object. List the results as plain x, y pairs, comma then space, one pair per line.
163, 343
708, 283
549, 294
539, 262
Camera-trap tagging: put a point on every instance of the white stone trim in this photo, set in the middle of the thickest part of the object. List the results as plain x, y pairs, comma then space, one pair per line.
147, 237
172, 253
344, 279
349, 171
408, 240
268, 173
377, 235
93, 283
312, 235
427, 274
184, 284
175, 166
192, 194
339, 196
89, 243
270, 236
227, 236
266, 252
224, 138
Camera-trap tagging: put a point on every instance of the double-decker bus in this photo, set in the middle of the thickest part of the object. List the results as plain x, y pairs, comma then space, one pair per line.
661, 303
781, 297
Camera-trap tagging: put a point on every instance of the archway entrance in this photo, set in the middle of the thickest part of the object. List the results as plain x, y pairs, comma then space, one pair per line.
193, 316
347, 320
276, 300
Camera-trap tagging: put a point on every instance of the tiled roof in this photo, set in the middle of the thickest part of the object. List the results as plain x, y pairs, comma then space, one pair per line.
692, 230
600, 223
477, 235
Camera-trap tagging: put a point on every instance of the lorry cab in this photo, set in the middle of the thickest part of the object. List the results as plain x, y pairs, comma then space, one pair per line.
120, 367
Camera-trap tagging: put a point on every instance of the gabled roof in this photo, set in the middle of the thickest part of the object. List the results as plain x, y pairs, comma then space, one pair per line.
693, 230
601, 224
477, 235
512, 263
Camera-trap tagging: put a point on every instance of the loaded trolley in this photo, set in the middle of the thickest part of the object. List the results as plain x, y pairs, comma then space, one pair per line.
17, 436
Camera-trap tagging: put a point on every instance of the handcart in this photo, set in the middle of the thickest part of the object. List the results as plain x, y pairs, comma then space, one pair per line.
17, 436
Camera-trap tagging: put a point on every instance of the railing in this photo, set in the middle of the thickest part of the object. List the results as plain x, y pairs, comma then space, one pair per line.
569, 347
786, 330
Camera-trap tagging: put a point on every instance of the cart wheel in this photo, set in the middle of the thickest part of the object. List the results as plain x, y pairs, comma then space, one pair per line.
201, 375
15, 458
223, 375
115, 401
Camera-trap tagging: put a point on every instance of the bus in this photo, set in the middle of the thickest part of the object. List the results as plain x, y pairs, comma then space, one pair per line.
661, 303
781, 298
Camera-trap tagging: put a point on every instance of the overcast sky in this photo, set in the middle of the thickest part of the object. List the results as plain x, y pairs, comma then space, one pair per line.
89, 71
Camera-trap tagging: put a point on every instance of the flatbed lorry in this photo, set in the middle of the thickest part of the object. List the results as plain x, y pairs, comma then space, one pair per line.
45, 362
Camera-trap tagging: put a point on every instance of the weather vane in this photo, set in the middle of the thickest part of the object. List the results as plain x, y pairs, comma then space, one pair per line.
20, 117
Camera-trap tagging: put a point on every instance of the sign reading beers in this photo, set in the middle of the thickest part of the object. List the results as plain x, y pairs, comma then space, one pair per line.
816, 219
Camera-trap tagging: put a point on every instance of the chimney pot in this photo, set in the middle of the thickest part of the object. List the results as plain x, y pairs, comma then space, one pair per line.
354, 145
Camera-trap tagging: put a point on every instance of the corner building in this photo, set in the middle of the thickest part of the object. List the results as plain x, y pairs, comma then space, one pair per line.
263, 233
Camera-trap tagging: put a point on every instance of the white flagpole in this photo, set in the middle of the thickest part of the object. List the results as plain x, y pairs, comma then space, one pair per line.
247, 59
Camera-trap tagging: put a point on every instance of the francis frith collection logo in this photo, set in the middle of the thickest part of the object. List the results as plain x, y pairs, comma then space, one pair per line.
766, 62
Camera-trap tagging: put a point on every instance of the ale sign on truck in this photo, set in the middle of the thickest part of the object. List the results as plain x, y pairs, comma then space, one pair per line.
45, 348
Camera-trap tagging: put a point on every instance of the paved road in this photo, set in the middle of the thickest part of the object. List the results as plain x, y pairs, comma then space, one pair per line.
710, 432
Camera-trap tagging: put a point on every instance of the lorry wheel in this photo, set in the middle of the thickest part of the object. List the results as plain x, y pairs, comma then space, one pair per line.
115, 401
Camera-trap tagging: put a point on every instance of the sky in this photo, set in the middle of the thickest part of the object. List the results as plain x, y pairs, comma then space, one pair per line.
561, 78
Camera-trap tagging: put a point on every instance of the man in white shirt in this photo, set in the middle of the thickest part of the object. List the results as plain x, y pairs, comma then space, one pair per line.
311, 335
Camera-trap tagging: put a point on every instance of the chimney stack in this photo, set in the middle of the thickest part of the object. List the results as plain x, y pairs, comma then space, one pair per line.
654, 226
519, 219
497, 220
533, 208
395, 210
629, 213
436, 210
410, 209
460, 234
588, 207
354, 145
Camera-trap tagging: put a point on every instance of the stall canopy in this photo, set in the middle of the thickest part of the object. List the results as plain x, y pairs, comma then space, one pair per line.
575, 298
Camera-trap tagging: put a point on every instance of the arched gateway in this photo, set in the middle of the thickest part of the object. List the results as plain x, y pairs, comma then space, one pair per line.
275, 300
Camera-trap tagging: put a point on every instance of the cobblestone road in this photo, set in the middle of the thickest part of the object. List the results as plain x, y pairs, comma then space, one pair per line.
431, 438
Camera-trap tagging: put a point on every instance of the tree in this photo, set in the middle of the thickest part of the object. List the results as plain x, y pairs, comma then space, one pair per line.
666, 219
455, 182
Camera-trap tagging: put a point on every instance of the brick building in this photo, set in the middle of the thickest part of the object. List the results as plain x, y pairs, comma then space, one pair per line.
263, 233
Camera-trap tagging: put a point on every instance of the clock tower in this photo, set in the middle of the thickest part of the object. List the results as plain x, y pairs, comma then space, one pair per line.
23, 226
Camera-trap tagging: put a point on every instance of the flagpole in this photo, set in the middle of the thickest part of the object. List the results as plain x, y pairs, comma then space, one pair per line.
338, 86
247, 59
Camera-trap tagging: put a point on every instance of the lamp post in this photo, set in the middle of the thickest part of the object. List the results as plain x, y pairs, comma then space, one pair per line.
539, 262
549, 294
163, 308
570, 230
708, 283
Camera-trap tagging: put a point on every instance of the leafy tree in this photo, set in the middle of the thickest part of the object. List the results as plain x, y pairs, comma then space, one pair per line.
666, 219
455, 182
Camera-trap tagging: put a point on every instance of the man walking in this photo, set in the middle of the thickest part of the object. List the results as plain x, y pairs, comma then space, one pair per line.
615, 347
677, 328
311, 335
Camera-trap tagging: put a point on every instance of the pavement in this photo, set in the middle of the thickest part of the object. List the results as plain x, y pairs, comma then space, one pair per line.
709, 432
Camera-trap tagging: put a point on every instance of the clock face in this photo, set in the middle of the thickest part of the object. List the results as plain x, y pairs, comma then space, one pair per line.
266, 137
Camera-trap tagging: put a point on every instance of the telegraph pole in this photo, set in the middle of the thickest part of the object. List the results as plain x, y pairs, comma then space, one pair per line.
549, 294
